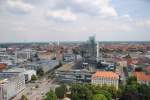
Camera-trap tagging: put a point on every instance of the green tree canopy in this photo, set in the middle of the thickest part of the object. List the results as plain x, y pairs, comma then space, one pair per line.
80, 92
99, 97
50, 96
106, 94
33, 77
132, 80
60, 91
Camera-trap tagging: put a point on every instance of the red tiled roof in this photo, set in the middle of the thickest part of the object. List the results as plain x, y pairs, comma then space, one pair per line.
105, 74
2, 66
142, 76
147, 68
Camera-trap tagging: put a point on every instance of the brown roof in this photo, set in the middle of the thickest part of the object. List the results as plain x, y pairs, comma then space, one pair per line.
147, 68
142, 76
2, 66
105, 74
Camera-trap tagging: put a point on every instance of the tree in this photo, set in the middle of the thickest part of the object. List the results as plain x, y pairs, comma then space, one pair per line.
106, 94
23, 97
60, 91
33, 77
131, 80
99, 97
145, 90
81, 92
97, 89
132, 96
131, 88
40, 72
50, 96
134, 90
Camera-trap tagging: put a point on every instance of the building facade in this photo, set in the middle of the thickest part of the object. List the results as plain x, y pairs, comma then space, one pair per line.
105, 77
142, 77
11, 86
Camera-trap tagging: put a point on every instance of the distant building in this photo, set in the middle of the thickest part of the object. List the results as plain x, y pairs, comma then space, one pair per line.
6, 58
147, 69
92, 46
142, 77
105, 77
46, 65
67, 74
68, 57
11, 84
2, 66
24, 55
27, 73
122, 63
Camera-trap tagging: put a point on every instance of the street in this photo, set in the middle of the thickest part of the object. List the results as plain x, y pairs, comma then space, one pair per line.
37, 93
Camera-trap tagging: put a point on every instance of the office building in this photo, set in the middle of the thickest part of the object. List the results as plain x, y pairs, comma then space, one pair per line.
27, 73
11, 84
105, 77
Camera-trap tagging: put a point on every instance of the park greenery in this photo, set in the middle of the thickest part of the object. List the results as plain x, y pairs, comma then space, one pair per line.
131, 91
34, 77
50, 96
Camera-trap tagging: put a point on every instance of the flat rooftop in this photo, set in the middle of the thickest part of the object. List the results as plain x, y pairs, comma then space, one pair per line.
66, 67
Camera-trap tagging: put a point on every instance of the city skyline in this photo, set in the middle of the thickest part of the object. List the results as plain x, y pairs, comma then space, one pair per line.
74, 20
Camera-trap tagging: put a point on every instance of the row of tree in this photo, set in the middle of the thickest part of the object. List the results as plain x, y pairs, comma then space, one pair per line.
131, 91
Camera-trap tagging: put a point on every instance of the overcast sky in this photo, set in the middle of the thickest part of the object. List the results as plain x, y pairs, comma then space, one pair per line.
74, 20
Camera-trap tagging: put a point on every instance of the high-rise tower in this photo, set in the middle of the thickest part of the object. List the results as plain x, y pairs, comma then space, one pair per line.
98, 56
92, 46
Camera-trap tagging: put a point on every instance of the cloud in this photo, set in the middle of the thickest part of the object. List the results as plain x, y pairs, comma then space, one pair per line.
75, 19
19, 29
104, 7
65, 15
19, 6
89, 7
143, 23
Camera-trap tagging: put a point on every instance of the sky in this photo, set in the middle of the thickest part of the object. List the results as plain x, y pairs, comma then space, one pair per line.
74, 20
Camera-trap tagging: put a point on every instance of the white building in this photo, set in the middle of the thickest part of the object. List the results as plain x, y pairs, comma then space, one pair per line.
11, 85
27, 73
46, 65
24, 55
68, 57
105, 77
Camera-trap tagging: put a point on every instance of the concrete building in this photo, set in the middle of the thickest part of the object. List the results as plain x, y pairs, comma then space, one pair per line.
24, 55
68, 57
6, 58
11, 85
66, 74
46, 65
7, 89
105, 77
92, 46
98, 56
27, 73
